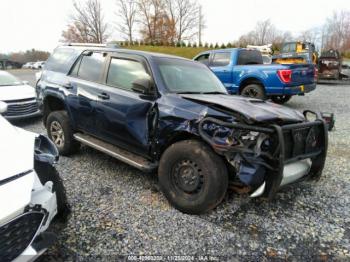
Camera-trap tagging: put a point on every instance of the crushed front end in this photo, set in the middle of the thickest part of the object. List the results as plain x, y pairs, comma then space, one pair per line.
266, 157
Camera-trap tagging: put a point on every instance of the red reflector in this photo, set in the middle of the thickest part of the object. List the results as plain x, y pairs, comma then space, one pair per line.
315, 73
285, 75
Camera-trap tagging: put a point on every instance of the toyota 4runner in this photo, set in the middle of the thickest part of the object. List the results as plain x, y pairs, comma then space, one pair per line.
171, 115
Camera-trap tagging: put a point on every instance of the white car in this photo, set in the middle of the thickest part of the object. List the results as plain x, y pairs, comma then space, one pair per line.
38, 65
28, 65
19, 96
31, 192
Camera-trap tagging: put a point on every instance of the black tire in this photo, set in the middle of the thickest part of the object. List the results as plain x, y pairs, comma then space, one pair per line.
47, 172
203, 182
281, 99
254, 91
60, 119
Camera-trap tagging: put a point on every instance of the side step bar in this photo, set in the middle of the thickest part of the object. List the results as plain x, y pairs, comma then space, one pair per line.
131, 159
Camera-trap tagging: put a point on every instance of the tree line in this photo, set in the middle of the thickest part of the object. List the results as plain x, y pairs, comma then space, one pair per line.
180, 23
32, 55
154, 21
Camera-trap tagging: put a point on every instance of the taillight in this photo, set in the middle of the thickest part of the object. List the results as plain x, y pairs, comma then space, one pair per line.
285, 75
315, 73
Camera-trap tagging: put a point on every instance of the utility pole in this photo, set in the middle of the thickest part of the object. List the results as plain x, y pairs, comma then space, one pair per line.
200, 26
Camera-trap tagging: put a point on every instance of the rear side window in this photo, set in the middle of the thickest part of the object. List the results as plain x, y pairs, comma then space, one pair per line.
91, 67
204, 59
221, 59
123, 72
249, 57
62, 60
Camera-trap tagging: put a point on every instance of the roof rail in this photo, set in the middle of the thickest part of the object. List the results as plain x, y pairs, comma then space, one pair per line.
108, 45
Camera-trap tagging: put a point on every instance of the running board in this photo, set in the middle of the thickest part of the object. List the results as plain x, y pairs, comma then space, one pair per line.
131, 159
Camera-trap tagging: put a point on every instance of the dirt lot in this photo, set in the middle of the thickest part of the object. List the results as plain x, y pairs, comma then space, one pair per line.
117, 210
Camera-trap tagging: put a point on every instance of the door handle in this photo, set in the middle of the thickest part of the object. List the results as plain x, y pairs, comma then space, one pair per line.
103, 96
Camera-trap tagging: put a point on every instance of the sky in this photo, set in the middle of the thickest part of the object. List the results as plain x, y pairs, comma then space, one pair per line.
38, 24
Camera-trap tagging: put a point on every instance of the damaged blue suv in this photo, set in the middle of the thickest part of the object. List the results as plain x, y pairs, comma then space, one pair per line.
171, 115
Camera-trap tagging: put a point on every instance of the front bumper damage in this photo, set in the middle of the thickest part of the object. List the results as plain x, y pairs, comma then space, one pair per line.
24, 235
267, 158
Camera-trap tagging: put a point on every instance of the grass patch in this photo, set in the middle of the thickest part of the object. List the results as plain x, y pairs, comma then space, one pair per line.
187, 52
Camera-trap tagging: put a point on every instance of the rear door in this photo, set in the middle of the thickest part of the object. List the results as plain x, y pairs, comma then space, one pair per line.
221, 65
85, 80
123, 116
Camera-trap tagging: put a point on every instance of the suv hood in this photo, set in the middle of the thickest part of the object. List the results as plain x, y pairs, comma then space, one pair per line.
254, 110
8, 93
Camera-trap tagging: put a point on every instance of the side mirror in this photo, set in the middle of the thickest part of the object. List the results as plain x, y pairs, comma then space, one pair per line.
142, 85
3, 107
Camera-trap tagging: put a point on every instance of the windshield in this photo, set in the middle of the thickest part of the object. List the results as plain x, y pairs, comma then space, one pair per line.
7, 79
182, 76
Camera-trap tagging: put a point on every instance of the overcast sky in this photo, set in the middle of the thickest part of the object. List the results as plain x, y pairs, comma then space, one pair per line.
38, 24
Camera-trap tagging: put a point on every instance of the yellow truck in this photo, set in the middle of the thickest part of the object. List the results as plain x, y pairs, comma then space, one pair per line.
298, 52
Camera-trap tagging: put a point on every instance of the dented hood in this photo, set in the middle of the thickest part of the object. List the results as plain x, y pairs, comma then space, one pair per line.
254, 110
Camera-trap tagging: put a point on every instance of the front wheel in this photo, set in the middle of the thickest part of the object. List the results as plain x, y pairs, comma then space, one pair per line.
281, 99
60, 132
193, 178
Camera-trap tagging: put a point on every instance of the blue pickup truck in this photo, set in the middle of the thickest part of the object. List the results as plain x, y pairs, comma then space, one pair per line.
242, 72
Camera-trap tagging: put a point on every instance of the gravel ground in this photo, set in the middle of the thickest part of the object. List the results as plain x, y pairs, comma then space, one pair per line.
117, 210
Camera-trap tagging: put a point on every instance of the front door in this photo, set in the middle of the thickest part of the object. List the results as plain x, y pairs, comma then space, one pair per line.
123, 115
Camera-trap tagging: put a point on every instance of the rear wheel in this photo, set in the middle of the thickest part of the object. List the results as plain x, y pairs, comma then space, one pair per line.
254, 91
193, 178
281, 99
60, 132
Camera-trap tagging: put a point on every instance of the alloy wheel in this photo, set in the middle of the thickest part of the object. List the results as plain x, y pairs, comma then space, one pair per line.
57, 134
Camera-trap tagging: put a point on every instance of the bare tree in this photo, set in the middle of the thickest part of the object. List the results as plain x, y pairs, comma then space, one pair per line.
265, 32
311, 35
77, 33
337, 31
127, 11
185, 14
88, 23
150, 12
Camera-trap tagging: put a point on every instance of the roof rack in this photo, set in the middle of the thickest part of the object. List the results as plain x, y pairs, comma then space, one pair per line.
108, 45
